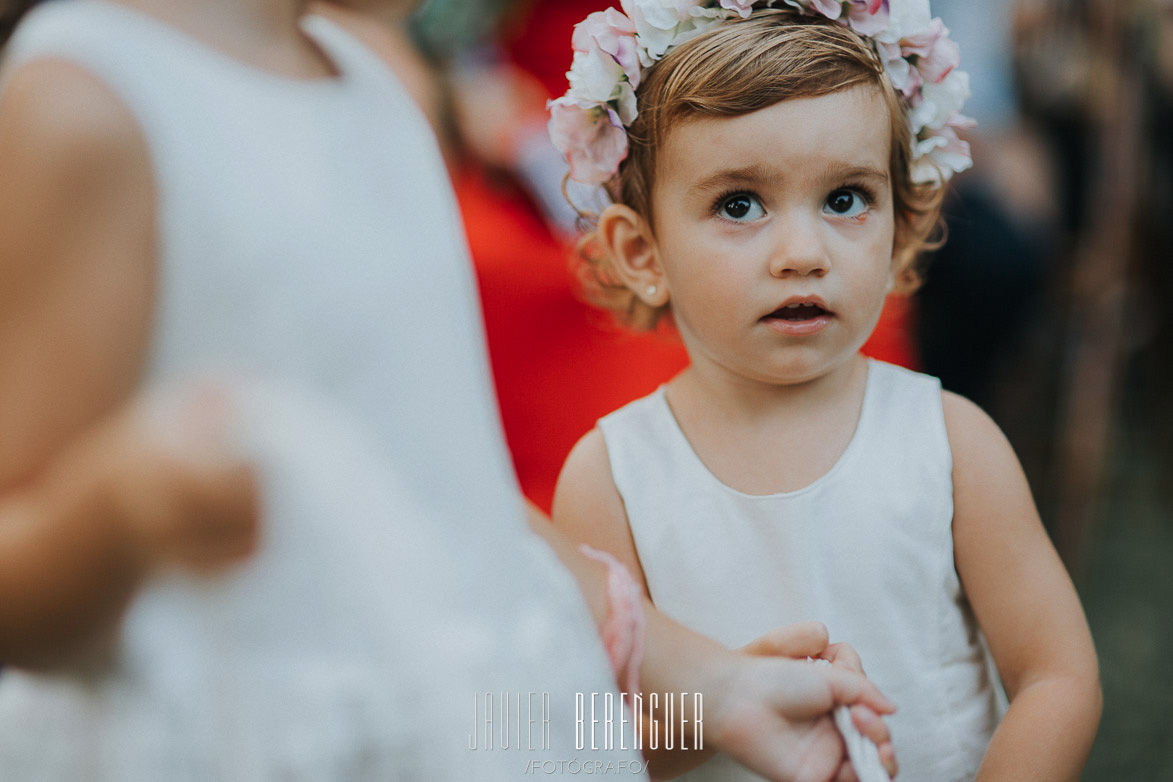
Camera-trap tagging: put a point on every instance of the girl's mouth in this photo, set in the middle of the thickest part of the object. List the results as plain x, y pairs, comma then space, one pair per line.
799, 318
798, 311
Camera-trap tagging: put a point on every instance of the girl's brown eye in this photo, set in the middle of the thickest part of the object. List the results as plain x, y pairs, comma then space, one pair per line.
737, 207
742, 207
846, 203
841, 201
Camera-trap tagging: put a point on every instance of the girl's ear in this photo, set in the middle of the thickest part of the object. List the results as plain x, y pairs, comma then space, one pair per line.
628, 240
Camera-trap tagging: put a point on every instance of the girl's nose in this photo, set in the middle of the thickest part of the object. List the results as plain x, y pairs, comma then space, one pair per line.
799, 248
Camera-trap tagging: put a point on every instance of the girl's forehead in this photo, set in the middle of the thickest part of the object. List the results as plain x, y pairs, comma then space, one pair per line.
848, 129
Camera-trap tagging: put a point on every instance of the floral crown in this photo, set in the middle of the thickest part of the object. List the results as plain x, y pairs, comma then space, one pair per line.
611, 50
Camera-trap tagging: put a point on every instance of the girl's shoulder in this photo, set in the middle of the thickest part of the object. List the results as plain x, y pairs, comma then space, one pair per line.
52, 94
984, 461
59, 109
69, 139
973, 435
588, 506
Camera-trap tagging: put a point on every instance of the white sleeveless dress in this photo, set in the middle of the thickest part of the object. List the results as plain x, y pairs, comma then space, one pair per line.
867, 549
308, 239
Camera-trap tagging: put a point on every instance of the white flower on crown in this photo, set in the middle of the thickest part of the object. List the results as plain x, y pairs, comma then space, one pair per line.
939, 102
905, 18
595, 77
661, 25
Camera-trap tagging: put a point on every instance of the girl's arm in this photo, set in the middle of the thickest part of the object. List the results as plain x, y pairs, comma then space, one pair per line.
80, 487
1026, 605
588, 508
769, 714
154, 484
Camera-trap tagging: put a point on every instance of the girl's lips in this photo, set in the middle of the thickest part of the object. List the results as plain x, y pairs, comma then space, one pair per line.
800, 316
799, 328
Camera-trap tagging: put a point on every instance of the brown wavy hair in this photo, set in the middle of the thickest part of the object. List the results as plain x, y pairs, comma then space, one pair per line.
736, 68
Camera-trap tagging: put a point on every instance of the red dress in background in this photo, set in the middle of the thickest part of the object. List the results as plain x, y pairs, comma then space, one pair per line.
558, 364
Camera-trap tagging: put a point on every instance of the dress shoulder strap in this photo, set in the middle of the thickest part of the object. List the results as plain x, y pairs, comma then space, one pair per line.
353, 57
911, 414
100, 35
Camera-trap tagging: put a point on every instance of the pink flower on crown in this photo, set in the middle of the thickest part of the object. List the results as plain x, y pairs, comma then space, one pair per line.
613, 33
906, 79
942, 152
868, 17
742, 7
832, 9
591, 136
937, 54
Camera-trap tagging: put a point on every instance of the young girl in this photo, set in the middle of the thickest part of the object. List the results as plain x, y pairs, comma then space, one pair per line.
775, 172
226, 183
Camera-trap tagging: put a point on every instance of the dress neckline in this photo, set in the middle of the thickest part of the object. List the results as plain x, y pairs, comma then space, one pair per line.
853, 445
341, 77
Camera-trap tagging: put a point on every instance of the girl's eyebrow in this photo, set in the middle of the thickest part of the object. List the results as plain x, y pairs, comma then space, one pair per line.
749, 176
758, 175
857, 172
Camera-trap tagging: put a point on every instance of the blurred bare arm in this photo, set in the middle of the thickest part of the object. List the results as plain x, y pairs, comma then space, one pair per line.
83, 477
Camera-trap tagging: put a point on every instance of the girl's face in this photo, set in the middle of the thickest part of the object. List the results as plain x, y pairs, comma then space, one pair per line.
774, 232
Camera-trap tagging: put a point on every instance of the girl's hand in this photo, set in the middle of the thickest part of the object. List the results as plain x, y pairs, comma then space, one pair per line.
810, 639
154, 484
773, 717
179, 491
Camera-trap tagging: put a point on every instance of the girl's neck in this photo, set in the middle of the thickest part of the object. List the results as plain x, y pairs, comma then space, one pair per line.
763, 439
752, 401
392, 14
264, 34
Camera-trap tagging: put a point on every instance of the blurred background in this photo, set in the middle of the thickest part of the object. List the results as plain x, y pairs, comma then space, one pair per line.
1049, 305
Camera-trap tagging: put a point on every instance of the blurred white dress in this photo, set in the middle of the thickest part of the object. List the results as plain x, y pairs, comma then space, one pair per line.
308, 239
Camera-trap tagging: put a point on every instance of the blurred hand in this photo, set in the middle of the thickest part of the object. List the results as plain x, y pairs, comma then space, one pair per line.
181, 492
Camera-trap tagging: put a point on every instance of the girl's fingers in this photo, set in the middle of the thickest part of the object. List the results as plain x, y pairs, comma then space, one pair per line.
218, 522
852, 688
805, 639
845, 656
888, 759
870, 725
846, 773
876, 730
